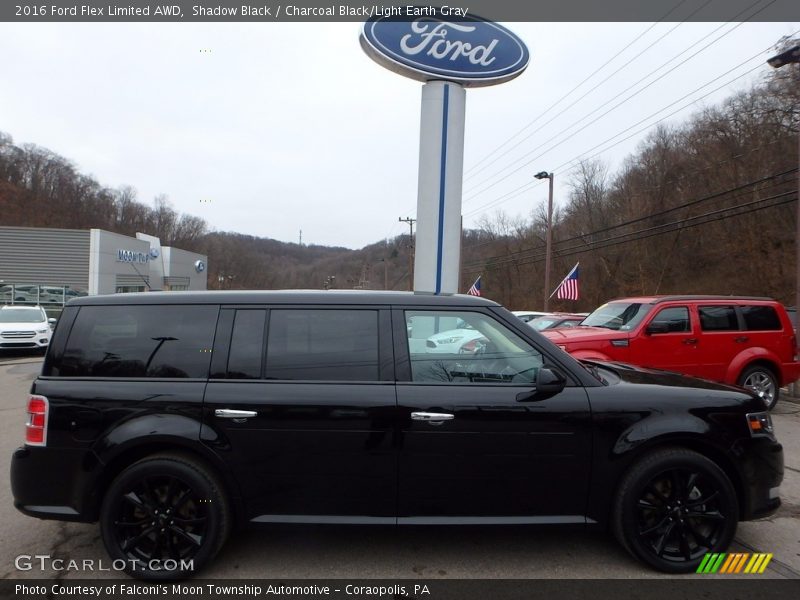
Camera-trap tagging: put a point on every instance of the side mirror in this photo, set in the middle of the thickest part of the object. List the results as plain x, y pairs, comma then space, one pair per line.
657, 328
549, 382
52, 321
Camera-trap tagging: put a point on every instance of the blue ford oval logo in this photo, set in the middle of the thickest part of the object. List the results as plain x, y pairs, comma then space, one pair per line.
471, 51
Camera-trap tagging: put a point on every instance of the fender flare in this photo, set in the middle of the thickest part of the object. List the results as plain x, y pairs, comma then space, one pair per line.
591, 355
126, 443
751, 355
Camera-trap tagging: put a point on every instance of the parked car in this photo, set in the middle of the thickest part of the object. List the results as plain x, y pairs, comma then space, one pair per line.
453, 340
528, 315
173, 418
556, 320
24, 327
734, 340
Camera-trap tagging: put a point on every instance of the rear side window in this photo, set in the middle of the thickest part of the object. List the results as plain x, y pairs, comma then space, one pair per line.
139, 341
313, 344
718, 318
761, 318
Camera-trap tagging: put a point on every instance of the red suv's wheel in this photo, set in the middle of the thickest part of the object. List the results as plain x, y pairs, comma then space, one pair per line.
763, 382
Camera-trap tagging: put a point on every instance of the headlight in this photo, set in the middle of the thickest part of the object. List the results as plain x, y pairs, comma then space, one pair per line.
760, 424
42, 330
450, 340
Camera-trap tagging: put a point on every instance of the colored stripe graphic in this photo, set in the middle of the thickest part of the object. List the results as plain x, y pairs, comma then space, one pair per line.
727, 564
442, 177
732, 563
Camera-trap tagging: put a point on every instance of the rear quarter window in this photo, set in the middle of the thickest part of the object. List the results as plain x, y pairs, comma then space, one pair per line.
761, 318
138, 341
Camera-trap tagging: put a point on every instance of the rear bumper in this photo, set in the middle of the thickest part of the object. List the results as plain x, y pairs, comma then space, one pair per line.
50, 484
761, 466
790, 372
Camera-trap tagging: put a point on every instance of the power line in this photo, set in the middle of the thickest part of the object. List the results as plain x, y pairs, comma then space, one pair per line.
504, 172
501, 259
569, 93
588, 92
537, 251
528, 186
713, 216
641, 191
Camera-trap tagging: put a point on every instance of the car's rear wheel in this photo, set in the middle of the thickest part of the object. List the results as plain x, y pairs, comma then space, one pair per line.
673, 507
762, 381
165, 517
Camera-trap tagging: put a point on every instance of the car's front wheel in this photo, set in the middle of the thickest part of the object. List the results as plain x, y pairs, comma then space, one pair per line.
164, 517
763, 382
673, 507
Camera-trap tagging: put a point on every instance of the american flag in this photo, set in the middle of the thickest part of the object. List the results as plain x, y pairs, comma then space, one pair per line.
475, 290
568, 289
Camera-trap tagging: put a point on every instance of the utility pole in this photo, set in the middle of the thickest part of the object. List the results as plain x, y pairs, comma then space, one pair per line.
410, 222
548, 238
301, 237
792, 56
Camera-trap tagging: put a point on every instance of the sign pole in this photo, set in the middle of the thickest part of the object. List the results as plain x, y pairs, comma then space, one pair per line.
441, 168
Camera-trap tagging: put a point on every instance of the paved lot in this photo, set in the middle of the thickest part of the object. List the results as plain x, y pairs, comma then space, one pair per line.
389, 553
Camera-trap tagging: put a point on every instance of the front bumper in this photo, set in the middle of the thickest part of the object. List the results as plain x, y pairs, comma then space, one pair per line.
761, 468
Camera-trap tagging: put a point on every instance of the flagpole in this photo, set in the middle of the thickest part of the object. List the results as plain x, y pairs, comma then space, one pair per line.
565, 278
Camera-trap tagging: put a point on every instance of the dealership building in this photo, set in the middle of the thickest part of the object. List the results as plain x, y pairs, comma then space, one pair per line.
93, 262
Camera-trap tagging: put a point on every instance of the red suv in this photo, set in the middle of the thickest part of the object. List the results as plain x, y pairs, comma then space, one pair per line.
743, 341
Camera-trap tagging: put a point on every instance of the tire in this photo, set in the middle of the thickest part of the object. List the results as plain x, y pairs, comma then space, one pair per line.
139, 522
673, 507
763, 381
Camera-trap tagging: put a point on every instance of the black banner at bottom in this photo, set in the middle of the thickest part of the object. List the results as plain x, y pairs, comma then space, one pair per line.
689, 588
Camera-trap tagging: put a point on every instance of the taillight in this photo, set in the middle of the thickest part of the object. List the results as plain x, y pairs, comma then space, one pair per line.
36, 427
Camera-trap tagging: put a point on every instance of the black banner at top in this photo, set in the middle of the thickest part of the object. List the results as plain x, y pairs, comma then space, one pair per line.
180, 11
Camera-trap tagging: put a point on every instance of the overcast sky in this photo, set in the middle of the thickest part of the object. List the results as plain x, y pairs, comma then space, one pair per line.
290, 126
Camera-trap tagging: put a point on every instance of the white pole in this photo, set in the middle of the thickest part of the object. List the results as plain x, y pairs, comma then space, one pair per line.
441, 167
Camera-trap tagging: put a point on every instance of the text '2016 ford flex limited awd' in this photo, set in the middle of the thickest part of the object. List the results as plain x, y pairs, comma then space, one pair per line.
171, 418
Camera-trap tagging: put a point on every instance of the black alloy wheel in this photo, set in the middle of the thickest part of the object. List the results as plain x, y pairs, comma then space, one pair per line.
673, 508
165, 517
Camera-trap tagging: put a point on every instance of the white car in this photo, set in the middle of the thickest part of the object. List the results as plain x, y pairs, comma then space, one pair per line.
452, 341
24, 327
527, 315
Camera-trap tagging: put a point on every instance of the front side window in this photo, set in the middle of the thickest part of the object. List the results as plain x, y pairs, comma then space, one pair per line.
322, 345
139, 341
676, 319
468, 347
618, 315
718, 318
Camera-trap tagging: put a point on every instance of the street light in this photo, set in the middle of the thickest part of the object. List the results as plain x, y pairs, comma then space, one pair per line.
548, 237
792, 55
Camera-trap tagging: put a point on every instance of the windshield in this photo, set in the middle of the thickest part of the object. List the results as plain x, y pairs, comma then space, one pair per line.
618, 315
20, 315
541, 323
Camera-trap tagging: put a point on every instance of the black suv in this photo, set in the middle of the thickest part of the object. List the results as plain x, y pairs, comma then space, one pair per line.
173, 417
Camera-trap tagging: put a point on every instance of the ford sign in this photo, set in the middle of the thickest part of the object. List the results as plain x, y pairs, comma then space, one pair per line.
471, 51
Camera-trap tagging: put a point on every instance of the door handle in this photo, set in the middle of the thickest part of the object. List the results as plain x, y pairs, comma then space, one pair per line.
432, 418
688, 341
741, 339
227, 413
